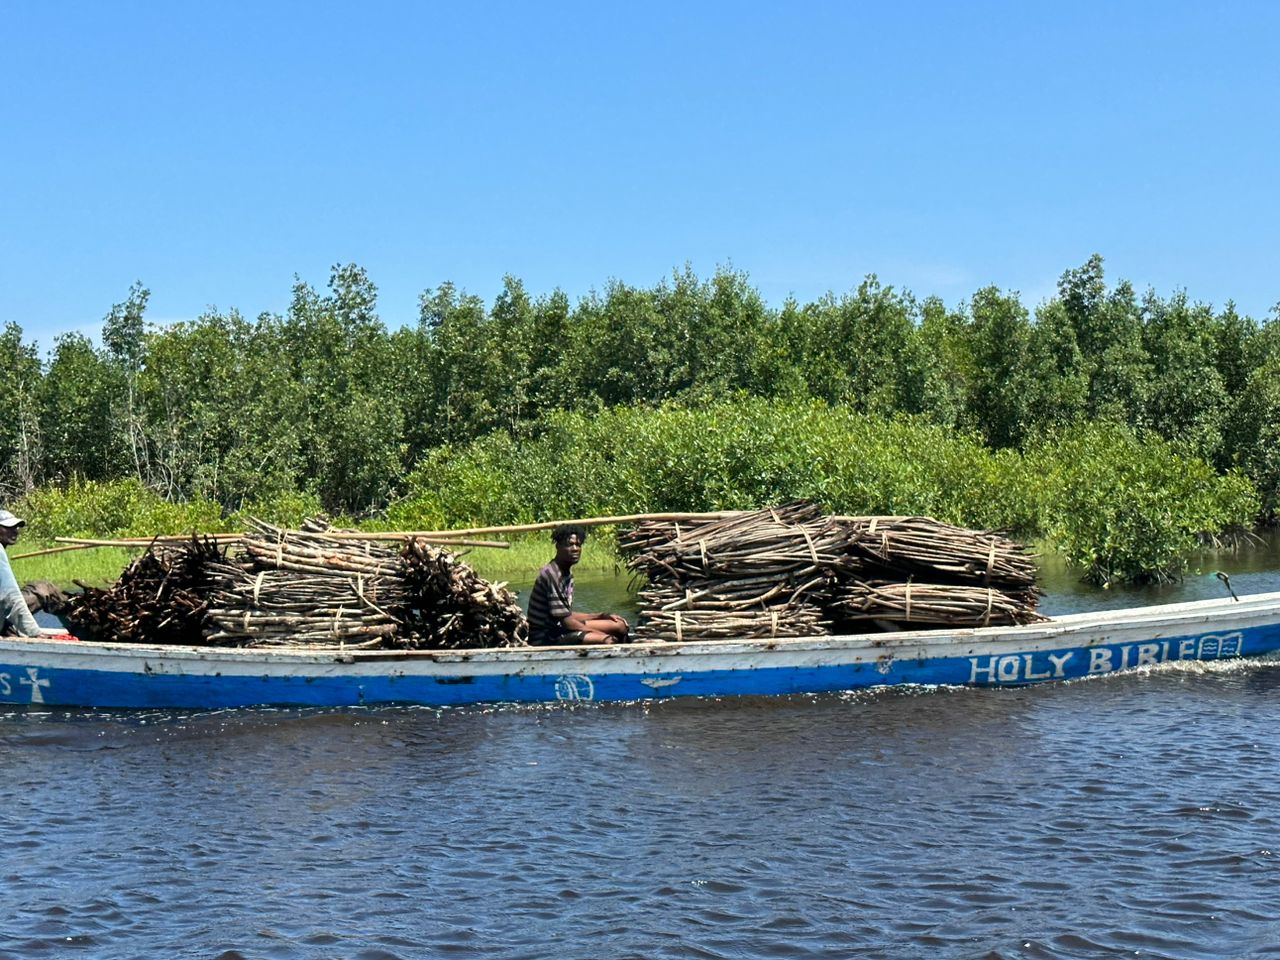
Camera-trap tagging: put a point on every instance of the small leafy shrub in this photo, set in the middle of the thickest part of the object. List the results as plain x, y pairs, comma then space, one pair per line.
1131, 509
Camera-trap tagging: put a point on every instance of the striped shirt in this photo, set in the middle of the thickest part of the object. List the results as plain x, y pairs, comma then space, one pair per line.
550, 601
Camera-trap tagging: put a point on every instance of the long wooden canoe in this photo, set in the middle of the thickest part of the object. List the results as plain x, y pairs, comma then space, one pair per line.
53, 672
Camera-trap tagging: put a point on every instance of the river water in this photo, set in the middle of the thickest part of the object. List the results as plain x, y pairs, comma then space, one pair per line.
1133, 815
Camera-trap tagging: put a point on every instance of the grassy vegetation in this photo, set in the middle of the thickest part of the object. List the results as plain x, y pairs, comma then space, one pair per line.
528, 554
1121, 505
97, 567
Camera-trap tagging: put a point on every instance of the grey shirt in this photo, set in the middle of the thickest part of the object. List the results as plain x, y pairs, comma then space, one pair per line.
13, 609
549, 603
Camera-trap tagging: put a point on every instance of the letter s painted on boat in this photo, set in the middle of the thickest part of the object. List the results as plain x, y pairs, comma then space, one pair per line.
5, 689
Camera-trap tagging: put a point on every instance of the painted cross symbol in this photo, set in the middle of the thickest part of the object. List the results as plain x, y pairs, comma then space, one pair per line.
35, 683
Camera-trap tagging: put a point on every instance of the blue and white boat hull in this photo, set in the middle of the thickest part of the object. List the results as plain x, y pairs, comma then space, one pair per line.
76, 674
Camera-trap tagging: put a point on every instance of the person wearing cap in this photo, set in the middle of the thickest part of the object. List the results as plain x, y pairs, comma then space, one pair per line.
15, 615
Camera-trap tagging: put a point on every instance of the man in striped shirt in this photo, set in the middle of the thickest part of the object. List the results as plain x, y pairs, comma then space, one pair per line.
552, 621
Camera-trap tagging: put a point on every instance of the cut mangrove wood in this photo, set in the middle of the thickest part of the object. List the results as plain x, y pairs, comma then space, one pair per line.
949, 605
920, 546
160, 598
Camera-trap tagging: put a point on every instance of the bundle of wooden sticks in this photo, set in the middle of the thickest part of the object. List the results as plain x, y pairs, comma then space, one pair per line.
160, 598
792, 571
748, 576
920, 572
918, 548
923, 604
299, 588
450, 605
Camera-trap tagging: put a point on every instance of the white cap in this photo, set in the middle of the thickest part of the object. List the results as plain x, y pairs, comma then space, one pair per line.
7, 519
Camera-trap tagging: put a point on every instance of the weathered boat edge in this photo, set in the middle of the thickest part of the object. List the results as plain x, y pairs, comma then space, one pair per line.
75, 674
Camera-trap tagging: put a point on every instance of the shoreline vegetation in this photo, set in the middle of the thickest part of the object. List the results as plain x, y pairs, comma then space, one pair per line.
1123, 431
1118, 507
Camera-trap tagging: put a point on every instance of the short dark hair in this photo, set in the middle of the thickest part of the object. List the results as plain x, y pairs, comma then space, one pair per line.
562, 533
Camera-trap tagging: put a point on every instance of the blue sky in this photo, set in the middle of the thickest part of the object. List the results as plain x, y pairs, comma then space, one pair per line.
214, 151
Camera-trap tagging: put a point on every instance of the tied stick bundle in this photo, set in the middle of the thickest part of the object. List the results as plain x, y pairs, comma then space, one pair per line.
707, 593
160, 598
919, 572
924, 549
922, 604
777, 542
452, 607
742, 576
796, 620
304, 589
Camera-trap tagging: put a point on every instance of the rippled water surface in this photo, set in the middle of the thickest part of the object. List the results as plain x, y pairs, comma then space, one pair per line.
1134, 815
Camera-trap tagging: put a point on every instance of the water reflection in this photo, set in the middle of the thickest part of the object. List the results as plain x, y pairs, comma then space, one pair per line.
1121, 815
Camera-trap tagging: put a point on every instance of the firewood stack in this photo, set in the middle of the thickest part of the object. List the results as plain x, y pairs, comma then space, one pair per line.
918, 572
301, 588
761, 574
160, 598
451, 606
791, 571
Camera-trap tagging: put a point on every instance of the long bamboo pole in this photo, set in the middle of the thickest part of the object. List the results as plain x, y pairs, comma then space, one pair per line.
552, 524
147, 541
52, 550
84, 544
533, 527
444, 537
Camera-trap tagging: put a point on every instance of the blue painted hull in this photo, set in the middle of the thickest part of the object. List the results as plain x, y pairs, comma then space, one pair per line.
97, 675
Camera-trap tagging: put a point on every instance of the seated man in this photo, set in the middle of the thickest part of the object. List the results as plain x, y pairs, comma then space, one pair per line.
552, 621
15, 617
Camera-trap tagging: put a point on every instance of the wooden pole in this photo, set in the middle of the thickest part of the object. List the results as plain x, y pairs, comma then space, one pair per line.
443, 537
77, 543
64, 549
146, 541
533, 527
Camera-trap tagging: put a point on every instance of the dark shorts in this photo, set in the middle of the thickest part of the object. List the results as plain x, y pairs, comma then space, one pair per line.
566, 638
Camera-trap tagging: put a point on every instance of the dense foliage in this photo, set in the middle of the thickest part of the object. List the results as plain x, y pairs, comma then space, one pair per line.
1118, 506
536, 405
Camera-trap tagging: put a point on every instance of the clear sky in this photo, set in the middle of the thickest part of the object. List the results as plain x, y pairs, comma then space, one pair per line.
213, 151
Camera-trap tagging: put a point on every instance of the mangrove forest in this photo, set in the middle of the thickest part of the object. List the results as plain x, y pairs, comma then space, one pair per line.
1122, 428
